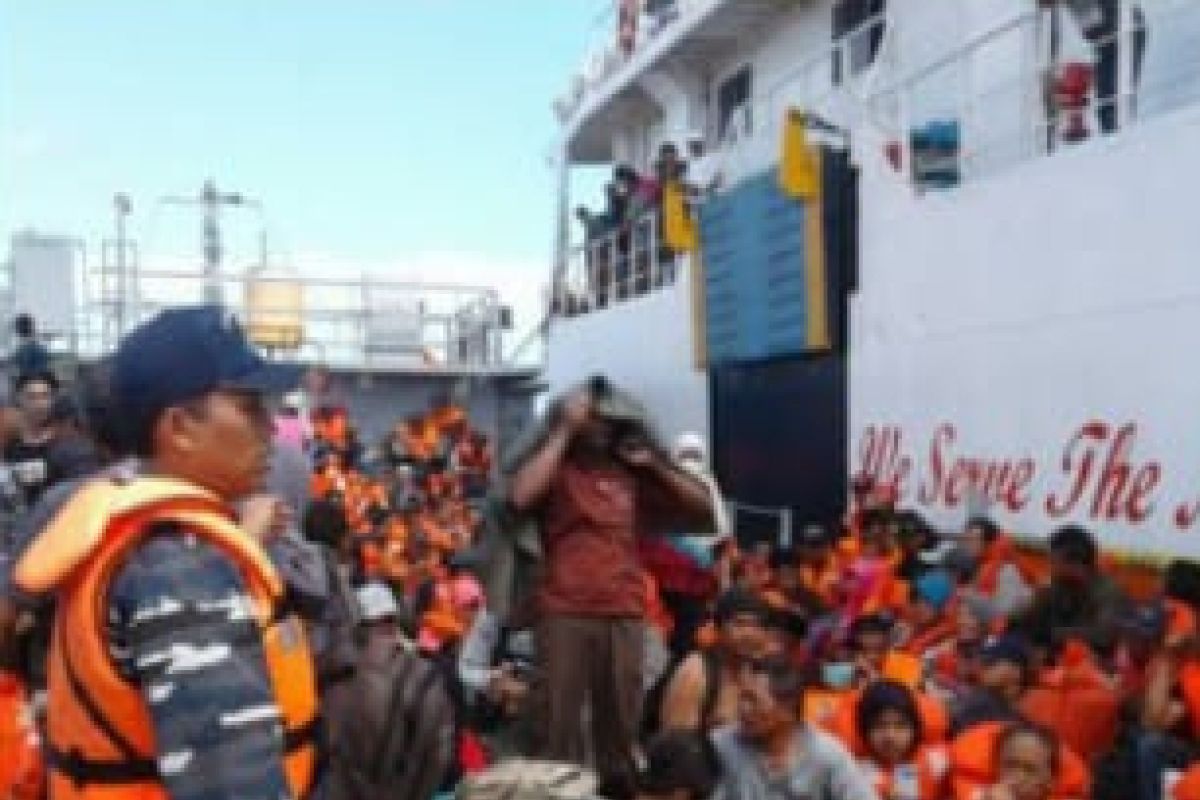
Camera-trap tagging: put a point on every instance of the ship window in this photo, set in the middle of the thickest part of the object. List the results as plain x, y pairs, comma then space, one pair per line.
733, 106
858, 25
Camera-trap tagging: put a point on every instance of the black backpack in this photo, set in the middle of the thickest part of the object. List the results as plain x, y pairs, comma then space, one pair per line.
651, 715
391, 730
389, 724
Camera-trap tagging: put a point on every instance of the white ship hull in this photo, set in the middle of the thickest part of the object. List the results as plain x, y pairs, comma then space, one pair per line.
1030, 341
645, 344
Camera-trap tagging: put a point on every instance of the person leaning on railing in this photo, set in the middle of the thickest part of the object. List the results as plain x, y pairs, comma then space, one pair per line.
597, 252
1100, 23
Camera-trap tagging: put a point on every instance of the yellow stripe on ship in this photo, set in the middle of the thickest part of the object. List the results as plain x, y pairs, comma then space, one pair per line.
815, 268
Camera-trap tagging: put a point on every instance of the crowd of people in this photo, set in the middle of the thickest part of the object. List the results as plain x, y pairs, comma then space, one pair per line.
630, 194
213, 594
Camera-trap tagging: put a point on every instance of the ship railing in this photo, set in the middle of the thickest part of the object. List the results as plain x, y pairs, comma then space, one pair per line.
357, 324
626, 263
753, 523
832, 82
1031, 86
609, 53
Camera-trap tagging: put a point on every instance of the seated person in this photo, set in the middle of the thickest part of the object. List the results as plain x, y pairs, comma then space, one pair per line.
1017, 761
771, 753
954, 663
702, 691
1004, 676
996, 574
870, 642
820, 571
925, 624
891, 748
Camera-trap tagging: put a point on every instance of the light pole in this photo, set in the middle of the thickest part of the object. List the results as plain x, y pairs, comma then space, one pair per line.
122, 207
211, 201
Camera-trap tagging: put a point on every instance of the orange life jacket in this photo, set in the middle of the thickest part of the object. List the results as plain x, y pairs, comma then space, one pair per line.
436, 534
850, 547
1182, 622
821, 706
822, 581
924, 641
973, 766
1188, 787
421, 440
396, 529
333, 429
1077, 701
443, 618
999, 554
22, 775
100, 740
887, 592
932, 766
904, 668
329, 479
1189, 688
447, 417
376, 560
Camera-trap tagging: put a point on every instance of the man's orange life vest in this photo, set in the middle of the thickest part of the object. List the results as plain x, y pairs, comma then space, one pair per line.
21, 769
1077, 701
100, 742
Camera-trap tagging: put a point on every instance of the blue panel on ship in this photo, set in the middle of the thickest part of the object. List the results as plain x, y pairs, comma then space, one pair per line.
753, 242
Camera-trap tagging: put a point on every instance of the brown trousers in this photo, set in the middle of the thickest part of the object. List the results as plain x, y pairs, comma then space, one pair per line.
592, 666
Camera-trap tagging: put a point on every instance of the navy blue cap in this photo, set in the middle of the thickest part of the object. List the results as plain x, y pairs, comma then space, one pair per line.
185, 353
1008, 649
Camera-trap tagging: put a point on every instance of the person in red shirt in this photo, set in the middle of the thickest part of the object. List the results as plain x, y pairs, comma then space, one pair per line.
597, 484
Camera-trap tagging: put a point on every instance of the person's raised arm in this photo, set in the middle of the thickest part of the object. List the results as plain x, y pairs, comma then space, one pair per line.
1160, 710
533, 479
683, 700
689, 493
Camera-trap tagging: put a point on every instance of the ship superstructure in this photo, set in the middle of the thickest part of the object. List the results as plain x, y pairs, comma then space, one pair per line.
949, 245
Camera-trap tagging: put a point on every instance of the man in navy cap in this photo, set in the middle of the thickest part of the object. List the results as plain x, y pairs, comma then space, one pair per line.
198, 648
1005, 674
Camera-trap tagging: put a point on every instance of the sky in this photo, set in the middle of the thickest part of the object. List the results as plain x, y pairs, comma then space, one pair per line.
407, 138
